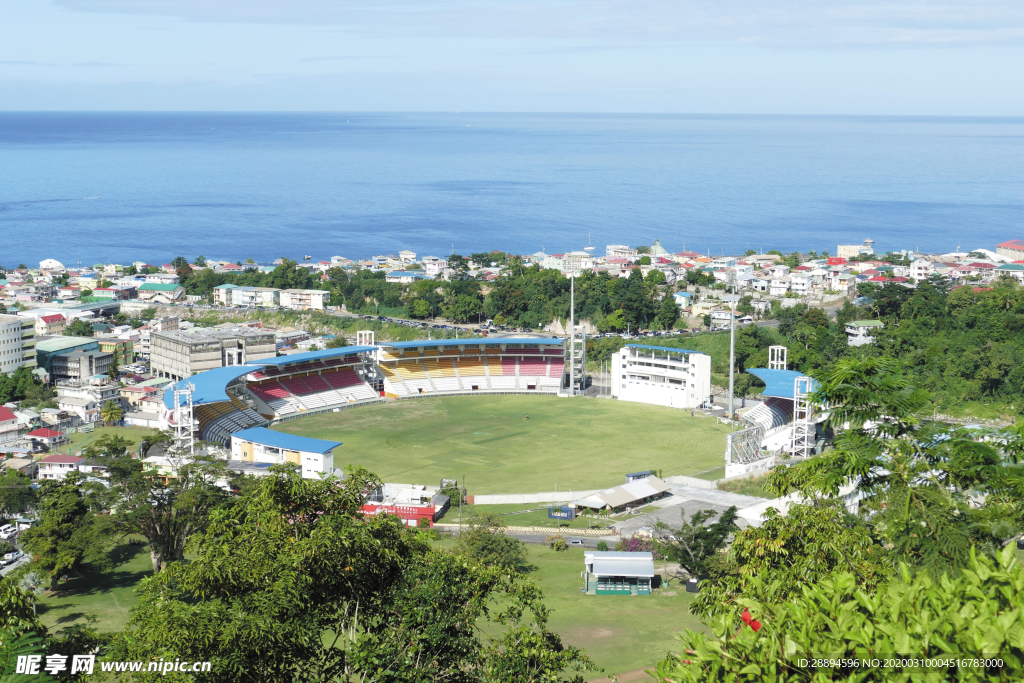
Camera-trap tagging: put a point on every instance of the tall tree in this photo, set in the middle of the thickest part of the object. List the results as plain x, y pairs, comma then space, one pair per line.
67, 534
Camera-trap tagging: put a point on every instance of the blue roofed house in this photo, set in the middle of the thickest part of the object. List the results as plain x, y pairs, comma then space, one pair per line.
315, 457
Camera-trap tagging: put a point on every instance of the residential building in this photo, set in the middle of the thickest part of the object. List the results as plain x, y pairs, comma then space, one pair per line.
182, 353
253, 297
1014, 270
314, 457
161, 293
17, 343
553, 262
801, 284
340, 261
406, 256
51, 324
858, 332
779, 286
58, 466
435, 267
921, 269
222, 294
683, 299
304, 299
23, 465
8, 425
1012, 250
162, 278
406, 277
620, 251
723, 262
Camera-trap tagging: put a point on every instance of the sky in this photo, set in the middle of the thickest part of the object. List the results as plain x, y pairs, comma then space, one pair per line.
866, 57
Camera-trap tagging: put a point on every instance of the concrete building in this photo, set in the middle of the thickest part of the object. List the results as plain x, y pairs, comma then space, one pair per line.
79, 365
17, 343
620, 251
183, 353
406, 277
304, 299
123, 350
659, 375
1014, 270
858, 332
252, 297
51, 324
1012, 250
315, 457
407, 256
577, 261
853, 250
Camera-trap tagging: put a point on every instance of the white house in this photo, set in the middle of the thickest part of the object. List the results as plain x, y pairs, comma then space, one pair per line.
58, 466
858, 332
779, 286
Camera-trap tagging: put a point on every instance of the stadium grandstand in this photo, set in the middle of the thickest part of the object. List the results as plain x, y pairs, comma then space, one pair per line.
455, 366
234, 398
229, 399
775, 414
661, 375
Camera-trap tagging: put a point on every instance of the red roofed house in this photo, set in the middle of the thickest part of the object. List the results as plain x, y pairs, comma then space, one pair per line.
168, 268
51, 324
1014, 249
58, 466
982, 266
878, 278
45, 436
8, 425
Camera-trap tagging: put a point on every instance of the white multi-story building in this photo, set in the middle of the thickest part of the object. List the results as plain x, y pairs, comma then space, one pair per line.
17, 343
304, 299
664, 376
58, 466
251, 297
620, 251
921, 269
853, 250
577, 261
779, 286
801, 284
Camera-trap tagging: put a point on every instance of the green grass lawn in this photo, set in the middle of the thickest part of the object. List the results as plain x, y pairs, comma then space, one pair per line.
107, 597
81, 440
567, 444
620, 633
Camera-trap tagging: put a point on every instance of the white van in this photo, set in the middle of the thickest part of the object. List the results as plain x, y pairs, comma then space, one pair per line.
7, 530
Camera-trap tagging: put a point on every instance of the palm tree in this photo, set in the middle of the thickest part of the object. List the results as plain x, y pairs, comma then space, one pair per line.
111, 412
34, 584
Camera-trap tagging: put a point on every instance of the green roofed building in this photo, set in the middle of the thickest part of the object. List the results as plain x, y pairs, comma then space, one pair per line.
158, 292
47, 348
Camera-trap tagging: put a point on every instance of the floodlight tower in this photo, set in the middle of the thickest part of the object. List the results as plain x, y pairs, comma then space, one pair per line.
777, 357
732, 299
802, 442
572, 334
184, 436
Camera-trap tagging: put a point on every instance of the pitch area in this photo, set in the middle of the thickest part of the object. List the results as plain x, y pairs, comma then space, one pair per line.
568, 444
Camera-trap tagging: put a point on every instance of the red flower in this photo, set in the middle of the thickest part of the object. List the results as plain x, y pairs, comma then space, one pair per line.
755, 624
746, 617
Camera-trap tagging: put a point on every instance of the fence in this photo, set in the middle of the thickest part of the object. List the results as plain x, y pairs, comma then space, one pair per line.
548, 530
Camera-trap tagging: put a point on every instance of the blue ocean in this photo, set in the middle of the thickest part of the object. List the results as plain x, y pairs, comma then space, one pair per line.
102, 187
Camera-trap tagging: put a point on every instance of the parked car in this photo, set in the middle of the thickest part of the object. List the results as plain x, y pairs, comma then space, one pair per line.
576, 541
11, 558
8, 530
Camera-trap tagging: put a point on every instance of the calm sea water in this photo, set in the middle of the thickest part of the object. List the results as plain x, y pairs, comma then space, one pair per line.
119, 187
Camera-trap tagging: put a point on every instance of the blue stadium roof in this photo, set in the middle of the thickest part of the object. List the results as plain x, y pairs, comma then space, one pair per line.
475, 340
210, 385
661, 348
268, 437
778, 383
313, 355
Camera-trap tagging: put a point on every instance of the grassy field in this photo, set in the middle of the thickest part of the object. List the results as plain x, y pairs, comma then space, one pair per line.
81, 440
620, 633
565, 445
105, 597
